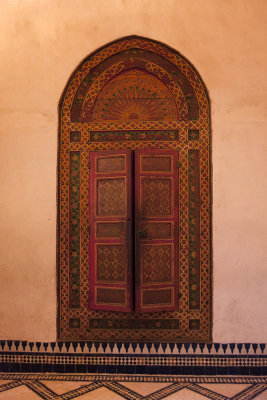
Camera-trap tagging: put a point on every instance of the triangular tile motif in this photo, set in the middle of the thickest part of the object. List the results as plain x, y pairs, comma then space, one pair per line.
100, 394
262, 396
4, 381
186, 394
60, 387
19, 393
226, 389
144, 388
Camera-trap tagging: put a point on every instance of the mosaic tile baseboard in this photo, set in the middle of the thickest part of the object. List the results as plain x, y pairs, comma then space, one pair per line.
134, 348
137, 358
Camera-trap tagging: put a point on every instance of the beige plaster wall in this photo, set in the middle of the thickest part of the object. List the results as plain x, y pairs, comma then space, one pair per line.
41, 42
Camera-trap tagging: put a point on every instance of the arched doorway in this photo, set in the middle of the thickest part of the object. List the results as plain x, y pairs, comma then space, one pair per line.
134, 98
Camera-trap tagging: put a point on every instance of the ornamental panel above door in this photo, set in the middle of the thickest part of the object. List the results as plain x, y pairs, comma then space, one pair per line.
134, 198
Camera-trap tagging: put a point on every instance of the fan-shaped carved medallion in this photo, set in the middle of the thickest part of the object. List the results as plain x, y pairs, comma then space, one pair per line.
134, 95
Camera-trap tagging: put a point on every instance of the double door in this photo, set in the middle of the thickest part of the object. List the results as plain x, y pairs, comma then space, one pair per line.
134, 230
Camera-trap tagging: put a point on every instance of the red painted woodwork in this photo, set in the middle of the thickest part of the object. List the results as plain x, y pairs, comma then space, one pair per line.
111, 230
156, 236
154, 178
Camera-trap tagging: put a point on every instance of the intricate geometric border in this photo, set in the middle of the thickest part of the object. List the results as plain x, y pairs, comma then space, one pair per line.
156, 348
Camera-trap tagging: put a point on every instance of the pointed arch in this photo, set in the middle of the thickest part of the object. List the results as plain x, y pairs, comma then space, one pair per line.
135, 93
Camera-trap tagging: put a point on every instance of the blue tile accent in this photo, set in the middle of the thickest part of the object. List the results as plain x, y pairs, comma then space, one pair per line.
31, 344
224, 347
9, 343
75, 345
67, 345
186, 345
247, 346
239, 346
60, 345
48, 368
209, 347
262, 347
17, 343
80, 369
255, 347
82, 344
53, 345
232, 346
217, 347
202, 346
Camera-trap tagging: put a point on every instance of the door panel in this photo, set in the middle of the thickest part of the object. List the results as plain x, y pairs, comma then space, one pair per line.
156, 222
111, 231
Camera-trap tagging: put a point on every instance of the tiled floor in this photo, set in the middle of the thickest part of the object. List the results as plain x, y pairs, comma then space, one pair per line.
108, 387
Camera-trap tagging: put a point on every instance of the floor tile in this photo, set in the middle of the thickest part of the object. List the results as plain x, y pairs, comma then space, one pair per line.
144, 388
226, 389
100, 394
61, 387
186, 394
19, 393
262, 396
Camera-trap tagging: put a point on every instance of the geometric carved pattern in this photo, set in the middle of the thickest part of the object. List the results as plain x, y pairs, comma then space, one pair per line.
134, 96
109, 229
111, 164
160, 164
193, 134
193, 113
194, 228
156, 263
110, 263
109, 136
156, 197
74, 226
155, 297
158, 230
157, 288
110, 296
110, 197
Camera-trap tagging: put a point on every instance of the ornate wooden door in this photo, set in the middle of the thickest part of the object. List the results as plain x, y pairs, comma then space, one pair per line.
115, 248
111, 230
156, 223
138, 95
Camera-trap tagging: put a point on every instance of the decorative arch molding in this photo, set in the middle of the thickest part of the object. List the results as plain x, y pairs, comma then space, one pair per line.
135, 94
137, 89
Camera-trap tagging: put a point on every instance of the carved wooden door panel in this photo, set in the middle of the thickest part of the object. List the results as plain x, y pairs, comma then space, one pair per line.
156, 221
153, 178
111, 231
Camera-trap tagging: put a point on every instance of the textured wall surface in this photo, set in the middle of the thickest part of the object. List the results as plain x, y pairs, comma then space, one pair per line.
41, 43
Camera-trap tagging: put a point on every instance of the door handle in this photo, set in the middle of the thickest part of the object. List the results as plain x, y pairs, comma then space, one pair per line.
141, 234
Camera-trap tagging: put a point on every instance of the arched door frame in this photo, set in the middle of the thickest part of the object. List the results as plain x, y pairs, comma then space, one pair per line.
189, 135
